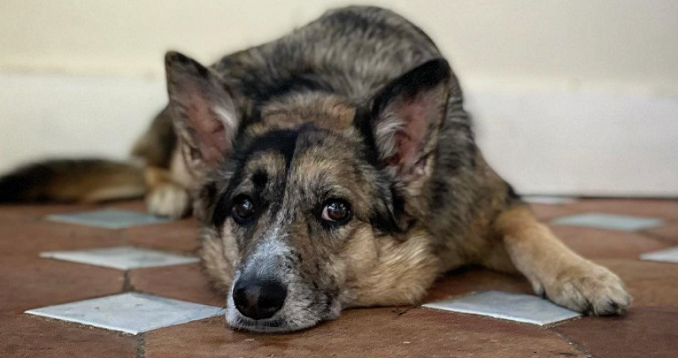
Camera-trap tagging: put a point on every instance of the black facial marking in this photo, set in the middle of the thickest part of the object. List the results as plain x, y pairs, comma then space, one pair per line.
259, 179
384, 222
220, 211
281, 141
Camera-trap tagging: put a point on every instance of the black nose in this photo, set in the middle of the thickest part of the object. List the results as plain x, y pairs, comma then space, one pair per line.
259, 299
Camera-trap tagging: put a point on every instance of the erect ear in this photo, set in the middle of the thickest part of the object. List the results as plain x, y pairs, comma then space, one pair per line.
203, 111
405, 120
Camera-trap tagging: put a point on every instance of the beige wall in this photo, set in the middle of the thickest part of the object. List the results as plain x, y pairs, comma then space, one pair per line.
573, 97
618, 45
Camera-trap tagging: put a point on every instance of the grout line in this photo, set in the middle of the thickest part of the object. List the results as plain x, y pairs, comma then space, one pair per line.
127, 283
140, 340
572, 343
401, 310
656, 237
123, 236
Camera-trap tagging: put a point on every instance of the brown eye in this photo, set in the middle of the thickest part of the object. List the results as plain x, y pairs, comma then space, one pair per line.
336, 210
243, 208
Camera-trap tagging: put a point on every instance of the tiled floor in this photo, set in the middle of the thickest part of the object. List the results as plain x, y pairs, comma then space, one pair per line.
45, 264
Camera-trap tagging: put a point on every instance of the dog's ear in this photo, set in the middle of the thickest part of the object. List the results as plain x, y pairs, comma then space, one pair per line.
203, 111
406, 117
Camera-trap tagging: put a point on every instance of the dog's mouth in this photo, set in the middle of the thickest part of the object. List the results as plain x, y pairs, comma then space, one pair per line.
276, 324
271, 325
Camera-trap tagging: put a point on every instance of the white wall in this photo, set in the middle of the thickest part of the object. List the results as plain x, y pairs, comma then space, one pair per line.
570, 96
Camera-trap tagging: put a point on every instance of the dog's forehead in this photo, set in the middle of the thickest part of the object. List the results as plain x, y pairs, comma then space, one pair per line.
323, 110
305, 151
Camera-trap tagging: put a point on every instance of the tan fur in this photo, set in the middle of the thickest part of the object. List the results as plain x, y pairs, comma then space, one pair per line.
325, 111
165, 195
219, 257
106, 182
556, 271
114, 193
386, 271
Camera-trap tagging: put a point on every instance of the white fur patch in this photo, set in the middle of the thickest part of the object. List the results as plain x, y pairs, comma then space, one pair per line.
168, 200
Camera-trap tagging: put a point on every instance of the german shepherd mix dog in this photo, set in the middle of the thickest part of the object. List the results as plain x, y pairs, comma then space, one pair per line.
332, 168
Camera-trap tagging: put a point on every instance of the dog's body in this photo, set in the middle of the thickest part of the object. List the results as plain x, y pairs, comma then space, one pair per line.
335, 168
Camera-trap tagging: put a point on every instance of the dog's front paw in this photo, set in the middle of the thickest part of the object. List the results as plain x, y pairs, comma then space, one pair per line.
168, 200
590, 289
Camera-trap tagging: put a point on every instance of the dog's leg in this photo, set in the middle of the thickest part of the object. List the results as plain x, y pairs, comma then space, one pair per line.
165, 196
555, 271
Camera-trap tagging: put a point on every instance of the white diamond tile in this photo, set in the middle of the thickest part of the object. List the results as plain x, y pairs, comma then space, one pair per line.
122, 258
509, 306
551, 200
668, 255
129, 312
108, 218
609, 221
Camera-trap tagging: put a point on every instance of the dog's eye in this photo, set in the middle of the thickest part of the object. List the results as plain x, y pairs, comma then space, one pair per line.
243, 208
336, 210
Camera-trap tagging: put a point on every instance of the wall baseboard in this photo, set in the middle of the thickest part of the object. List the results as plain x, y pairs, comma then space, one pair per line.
544, 142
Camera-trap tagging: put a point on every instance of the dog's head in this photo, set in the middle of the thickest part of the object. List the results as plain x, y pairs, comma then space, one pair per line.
311, 203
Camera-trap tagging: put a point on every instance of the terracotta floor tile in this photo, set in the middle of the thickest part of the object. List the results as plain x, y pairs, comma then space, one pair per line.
668, 232
643, 332
546, 212
650, 283
29, 282
29, 336
599, 243
21, 238
661, 208
366, 333
181, 235
469, 280
181, 282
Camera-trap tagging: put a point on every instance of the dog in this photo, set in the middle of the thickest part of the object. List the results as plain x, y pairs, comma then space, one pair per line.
332, 168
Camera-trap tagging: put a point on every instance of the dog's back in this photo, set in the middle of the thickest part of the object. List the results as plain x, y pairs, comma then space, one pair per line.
350, 52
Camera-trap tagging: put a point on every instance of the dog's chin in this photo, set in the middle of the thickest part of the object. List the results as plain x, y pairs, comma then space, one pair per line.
275, 324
